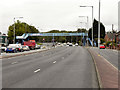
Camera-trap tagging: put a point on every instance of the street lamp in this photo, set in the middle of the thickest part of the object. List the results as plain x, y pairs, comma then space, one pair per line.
99, 27
92, 21
87, 19
14, 27
86, 25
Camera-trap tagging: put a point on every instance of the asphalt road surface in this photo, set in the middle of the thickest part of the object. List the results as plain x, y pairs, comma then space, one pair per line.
62, 67
110, 55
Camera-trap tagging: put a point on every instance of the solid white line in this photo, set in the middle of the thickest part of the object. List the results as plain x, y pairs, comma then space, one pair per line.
110, 64
36, 70
54, 62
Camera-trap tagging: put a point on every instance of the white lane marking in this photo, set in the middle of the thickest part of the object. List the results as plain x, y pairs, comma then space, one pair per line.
54, 62
14, 62
110, 63
36, 70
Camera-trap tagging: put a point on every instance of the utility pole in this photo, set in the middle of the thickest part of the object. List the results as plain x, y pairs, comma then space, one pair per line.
99, 27
14, 31
92, 21
14, 28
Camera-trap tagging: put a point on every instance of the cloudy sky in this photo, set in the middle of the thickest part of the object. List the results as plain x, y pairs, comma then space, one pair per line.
48, 15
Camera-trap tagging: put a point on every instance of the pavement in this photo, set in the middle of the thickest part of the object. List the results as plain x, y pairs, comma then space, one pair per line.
107, 72
62, 67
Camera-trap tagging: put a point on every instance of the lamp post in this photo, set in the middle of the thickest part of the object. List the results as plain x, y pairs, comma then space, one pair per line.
87, 19
99, 27
86, 25
14, 27
92, 21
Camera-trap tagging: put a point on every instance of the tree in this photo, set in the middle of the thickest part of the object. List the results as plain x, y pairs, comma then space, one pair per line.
20, 29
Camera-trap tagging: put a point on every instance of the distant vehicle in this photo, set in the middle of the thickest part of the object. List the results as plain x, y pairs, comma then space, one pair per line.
3, 49
31, 44
17, 46
70, 44
64, 44
59, 44
76, 44
12, 49
102, 47
73, 45
25, 48
37, 46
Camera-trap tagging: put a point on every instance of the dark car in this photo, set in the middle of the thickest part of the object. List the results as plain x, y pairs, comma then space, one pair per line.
11, 49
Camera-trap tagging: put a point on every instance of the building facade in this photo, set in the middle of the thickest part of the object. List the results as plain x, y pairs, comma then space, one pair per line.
118, 40
3, 39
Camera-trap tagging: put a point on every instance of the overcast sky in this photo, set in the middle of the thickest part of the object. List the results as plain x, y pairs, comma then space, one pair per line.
48, 15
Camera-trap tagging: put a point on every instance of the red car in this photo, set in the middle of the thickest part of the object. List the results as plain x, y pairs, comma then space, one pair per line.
102, 47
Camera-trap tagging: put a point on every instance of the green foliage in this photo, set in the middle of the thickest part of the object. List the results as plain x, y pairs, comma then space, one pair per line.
20, 29
108, 43
102, 40
39, 44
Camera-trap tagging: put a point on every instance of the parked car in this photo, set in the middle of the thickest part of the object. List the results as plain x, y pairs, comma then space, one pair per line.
102, 47
3, 49
11, 49
25, 48
70, 44
17, 46
64, 44
76, 44
37, 46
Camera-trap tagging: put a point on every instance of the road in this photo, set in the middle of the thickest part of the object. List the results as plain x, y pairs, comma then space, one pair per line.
110, 55
62, 67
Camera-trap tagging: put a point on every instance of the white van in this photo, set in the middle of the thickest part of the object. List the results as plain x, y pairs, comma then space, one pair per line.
17, 46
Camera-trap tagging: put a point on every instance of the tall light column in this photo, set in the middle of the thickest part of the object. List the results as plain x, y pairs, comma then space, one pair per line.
92, 21
99, 27
14, 28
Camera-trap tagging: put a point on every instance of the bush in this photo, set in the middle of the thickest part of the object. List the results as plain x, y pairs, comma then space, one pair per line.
108, 43
39, 44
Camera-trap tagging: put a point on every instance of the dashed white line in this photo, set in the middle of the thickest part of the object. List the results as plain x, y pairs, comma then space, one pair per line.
14, 62
36, 70
54, 62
